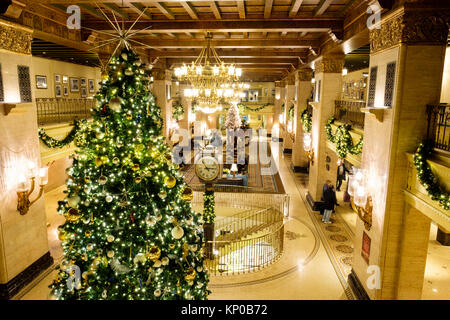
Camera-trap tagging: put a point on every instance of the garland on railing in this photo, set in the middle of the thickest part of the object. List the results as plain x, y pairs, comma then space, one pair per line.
209, 212
305, 117
343, 139
178, 111
291, 112
243, 107
426, 176
71, 136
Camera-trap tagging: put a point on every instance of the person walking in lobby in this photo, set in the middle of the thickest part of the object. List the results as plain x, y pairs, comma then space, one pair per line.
341, 172
329, 199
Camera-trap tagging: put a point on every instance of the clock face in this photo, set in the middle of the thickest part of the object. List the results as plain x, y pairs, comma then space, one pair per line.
207, 168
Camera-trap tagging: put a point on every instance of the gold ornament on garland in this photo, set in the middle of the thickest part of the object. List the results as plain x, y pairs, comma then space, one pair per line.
187, 195
190, 275
135, 167
72, 215
170, 182
154, 253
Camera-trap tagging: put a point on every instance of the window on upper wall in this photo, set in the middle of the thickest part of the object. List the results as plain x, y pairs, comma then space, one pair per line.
2, 93
372, 87
24, 83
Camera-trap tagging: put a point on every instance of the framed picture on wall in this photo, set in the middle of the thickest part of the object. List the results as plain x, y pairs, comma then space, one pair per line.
57, 78
58, 91
83, 92
66, 90
65, 79
41, 82
91, 85
83, 82
74, 84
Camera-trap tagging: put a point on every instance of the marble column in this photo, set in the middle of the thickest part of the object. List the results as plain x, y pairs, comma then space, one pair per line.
406, 67
289, 101
303, 86
279, 91
160, 88
24, 250
328, 75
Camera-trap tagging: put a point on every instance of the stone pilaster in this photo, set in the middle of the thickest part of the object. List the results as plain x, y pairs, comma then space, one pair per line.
303, 86
328, 75
290, 95
279, 98
406, 66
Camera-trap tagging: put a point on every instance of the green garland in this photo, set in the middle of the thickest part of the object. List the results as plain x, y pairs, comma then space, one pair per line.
343, 139
177, 111
306, 120
209, 213
71, 136
426, 176
291, 112
243, 107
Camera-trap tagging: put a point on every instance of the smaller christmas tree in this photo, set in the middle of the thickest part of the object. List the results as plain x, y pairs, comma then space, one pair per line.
233, 120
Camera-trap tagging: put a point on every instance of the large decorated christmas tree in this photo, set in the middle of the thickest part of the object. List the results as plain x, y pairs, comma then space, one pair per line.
130, 232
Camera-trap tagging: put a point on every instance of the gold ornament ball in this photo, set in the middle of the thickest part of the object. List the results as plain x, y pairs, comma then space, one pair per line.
102, 180
135, 167
188, 194
129, 116
72, 215
116, 160
61, 236
170, 182
98, 162
177, 232
190, 275
88, 233
114, 104
171, 246
140, 147
163, 194
138, 179
154, 253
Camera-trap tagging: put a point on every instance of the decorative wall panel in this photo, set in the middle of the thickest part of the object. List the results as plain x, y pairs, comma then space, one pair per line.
390, 82
24, 83
372, 86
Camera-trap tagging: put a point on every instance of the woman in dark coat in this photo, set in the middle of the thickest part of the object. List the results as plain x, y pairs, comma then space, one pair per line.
329, 199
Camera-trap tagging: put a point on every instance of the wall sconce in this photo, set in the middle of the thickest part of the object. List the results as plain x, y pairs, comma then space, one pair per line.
307, 146
24, 190
361, 202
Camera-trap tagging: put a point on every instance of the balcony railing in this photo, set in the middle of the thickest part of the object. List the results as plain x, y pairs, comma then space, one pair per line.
439, 126
349, 112
58, 110
260, 100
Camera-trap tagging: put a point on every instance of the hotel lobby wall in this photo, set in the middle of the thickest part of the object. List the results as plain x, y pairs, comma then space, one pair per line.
23, 238
352, 77
50, 68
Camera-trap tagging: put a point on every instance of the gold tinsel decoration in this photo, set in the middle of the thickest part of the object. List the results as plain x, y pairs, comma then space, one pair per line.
170, 182
72, 215
187, 194
190, 275
154, 253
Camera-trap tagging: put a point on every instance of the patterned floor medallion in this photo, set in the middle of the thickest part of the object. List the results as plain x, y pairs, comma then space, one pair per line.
333, 228
338, 238
344, 248
292, 235
347, 261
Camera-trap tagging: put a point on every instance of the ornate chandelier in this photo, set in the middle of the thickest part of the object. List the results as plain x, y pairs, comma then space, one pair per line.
212, 81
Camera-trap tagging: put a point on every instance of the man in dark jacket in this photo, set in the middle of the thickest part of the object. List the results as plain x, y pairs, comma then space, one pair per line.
341, 171
329, 199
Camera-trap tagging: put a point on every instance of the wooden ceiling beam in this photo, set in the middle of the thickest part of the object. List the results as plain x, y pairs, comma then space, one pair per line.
233, 43
291, 25
268, 9
190, 9
322, 7
244, 54
294, 8
241, 61
92, 11
164, 10
139, 8
241, 8
215, 10
114, 8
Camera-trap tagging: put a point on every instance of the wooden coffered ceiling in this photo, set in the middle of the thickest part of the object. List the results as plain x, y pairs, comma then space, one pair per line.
267, 38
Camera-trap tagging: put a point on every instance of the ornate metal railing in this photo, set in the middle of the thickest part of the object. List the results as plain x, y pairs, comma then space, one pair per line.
246, 223
59, 110
246, 255
438, 129
349, 112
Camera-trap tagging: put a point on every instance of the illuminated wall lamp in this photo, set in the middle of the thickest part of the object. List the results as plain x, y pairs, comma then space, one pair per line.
307, 146
361, 202
24, 190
